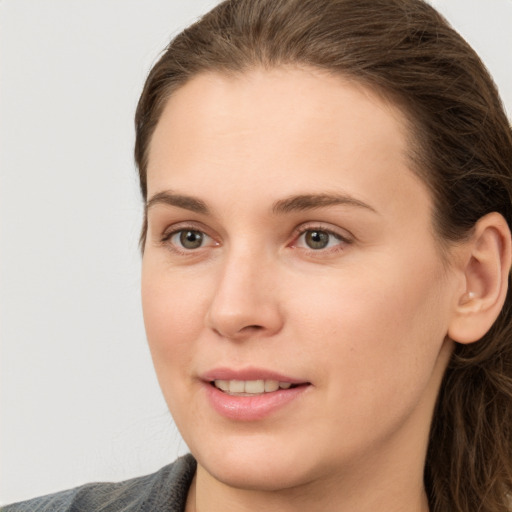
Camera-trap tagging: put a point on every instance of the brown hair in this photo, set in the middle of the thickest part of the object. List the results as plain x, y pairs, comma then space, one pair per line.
461, 146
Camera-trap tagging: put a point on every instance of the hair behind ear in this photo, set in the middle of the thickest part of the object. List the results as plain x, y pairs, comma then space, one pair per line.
473, 417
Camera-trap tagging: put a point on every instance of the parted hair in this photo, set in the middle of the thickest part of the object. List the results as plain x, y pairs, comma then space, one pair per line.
460, 146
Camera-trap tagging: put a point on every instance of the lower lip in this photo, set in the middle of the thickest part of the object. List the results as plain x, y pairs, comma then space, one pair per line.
251, 408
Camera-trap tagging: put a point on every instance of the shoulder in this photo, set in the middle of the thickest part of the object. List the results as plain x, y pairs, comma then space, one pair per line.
166, 490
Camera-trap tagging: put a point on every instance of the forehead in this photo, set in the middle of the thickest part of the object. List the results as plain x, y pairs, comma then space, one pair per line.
276, 127
269, 99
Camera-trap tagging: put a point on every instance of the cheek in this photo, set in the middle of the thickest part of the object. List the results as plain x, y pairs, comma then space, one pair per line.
173, 316
376, 332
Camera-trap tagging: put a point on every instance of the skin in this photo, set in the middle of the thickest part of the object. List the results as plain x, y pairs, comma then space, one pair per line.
364, 320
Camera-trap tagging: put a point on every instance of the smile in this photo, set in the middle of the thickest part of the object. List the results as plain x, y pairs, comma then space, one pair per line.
250, 387
251, 394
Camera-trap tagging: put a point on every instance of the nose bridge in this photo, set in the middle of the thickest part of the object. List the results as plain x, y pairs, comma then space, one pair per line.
245, 300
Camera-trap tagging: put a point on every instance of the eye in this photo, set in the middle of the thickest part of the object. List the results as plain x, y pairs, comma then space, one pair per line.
188, 239
317, 239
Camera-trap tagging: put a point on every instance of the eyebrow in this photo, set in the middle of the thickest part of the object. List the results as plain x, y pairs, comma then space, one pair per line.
181, 201
301, 202
306, 202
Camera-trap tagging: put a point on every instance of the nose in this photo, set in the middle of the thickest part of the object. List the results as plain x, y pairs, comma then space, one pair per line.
245, 303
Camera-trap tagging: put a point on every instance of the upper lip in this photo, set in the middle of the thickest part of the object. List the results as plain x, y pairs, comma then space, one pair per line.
251, 373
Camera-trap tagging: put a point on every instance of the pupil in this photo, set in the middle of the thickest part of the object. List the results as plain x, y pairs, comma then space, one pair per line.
317, 239
191, 239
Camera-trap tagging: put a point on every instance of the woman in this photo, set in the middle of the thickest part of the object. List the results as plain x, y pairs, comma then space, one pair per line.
326, 261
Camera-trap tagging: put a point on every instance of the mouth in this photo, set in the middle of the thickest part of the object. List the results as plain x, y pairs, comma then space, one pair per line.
252, 387
252, 394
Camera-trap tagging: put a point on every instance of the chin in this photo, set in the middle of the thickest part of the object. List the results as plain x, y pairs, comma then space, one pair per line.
270, 477
262, 466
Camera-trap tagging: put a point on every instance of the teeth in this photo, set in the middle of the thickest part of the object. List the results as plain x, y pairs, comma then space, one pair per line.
254, 386
250, 387
223, 385
271, 385
236, 386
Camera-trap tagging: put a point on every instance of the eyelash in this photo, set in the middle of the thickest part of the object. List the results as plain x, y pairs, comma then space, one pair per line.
299, 232
167, 237
339, 247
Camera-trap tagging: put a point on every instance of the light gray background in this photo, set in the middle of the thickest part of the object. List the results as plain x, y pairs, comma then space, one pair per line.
79, 401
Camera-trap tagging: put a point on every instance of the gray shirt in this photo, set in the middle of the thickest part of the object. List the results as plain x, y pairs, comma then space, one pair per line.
163, 491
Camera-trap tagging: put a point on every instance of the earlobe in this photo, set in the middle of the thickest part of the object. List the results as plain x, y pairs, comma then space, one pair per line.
486, 264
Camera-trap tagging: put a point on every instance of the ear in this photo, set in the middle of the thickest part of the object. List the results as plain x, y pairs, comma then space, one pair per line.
486, 266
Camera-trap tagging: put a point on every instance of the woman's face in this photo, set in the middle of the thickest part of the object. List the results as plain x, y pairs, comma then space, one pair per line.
289, 242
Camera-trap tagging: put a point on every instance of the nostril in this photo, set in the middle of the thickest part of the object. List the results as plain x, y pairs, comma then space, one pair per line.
252, 328
243, 332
